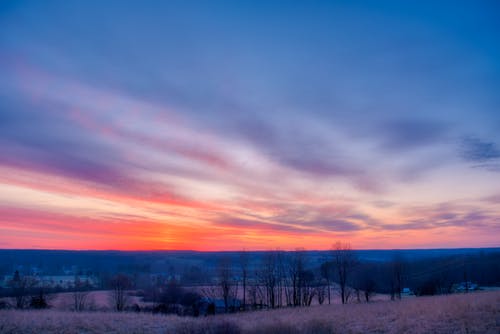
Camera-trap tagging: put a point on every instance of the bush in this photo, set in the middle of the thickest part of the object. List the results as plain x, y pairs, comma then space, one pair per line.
427, 288
4, 305
39, 301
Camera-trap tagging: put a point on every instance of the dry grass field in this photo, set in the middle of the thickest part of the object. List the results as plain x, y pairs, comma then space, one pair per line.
467, 313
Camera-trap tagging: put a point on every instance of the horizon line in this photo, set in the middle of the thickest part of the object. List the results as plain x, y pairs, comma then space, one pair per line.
239, 250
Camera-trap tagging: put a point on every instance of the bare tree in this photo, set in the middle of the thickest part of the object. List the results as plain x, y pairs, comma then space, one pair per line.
296, 267
256, 296
80, 294
397, 277
281, 275
466, 277
327, 272
345, 260
244, 275
306, 283
364, 281
120, 283
369, 288
321, 292
300, 284
268, 278
226, 283
21, 287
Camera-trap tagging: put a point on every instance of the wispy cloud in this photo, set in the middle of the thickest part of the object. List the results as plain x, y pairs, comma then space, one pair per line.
478, 151
447, 215
406, 134
481, 154
235, 125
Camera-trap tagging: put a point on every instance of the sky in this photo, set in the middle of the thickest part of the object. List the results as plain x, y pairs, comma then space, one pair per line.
253, 125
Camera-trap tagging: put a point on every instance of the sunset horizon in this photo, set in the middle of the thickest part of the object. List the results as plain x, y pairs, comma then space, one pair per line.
214, 126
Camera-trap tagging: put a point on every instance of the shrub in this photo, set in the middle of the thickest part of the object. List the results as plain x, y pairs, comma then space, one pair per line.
39, 301
4, 305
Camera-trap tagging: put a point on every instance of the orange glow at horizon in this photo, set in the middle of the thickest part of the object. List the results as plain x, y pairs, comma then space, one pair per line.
152, 226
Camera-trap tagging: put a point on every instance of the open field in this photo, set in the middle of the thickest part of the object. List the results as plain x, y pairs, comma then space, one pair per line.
467, 313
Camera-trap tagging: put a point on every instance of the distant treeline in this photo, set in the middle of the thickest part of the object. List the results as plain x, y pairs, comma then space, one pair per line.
56, 262
192, 282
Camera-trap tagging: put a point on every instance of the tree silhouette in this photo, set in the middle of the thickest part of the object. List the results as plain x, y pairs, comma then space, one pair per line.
120, 283
345, 260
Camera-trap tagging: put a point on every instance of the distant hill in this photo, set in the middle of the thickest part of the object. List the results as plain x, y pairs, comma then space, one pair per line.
67, 261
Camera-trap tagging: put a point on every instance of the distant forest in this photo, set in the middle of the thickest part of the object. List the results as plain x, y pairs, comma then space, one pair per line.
478, 265
266, 278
